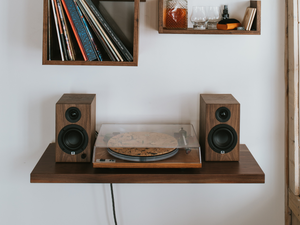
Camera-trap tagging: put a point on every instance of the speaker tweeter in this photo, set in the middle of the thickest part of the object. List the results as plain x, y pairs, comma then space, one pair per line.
73, 114
223, 114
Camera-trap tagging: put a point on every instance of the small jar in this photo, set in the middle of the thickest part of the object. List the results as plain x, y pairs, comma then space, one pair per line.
176, 14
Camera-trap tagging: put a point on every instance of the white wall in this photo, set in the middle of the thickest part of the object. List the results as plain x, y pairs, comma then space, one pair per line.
173, 70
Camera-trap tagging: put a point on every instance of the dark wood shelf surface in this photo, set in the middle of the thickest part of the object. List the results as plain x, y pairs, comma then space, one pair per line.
246, 170
215, 32
90, 63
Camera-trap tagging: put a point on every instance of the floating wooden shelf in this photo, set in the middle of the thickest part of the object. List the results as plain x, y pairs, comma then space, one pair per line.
134, 49
256, 28
245, 171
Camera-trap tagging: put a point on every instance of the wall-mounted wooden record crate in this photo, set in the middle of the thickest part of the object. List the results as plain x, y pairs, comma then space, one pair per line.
55, 54
256, 27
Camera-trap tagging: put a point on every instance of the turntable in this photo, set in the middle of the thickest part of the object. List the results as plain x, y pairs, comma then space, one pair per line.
147, 146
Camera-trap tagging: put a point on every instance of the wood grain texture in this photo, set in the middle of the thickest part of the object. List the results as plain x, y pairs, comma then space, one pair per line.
45, 60
288, 212
209, 103
294, 205
136, 32
245, 171
256, 24
257, 19
214, 32
86, 103
160, 16
45, 33
76, 99
180, 160
294, 220
293, 95
219, 99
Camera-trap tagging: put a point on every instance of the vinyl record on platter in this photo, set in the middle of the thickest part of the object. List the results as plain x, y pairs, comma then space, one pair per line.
143, 158
142, 146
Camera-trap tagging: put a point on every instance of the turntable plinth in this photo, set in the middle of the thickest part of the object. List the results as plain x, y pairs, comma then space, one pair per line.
147, 146
180, 160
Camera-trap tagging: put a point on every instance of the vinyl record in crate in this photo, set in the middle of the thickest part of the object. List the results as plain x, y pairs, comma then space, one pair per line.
150, 146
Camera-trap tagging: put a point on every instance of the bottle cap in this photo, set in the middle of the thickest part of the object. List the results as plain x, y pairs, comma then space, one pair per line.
225, 14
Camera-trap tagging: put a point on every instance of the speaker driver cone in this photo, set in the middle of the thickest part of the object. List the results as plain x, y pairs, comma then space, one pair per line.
222, 138
223, 114
73, 139
73, 114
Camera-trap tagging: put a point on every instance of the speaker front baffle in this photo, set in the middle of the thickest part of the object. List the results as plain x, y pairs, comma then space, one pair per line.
75, 127
219, 127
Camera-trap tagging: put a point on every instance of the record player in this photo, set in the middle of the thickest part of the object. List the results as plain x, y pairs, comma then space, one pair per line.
147, 146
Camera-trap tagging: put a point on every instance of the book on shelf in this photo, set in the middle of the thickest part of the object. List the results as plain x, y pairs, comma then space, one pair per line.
49, 32
58, 30
82, 28
99, 32
116, 28
103, 48
79, 30
53, 42
70, 52
95, 48
110, 32
249, 18
104, 36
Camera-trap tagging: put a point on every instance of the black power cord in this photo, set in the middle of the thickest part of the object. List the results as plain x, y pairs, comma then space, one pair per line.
113, 202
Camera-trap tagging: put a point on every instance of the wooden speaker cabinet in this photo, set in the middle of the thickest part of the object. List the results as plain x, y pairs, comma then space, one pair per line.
75, 127
219, 127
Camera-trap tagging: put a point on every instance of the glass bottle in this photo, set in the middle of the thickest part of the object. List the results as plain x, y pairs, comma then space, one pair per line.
176, 14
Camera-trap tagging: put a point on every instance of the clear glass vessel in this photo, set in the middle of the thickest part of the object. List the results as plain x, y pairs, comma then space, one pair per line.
176, 14
213, 16
199, 18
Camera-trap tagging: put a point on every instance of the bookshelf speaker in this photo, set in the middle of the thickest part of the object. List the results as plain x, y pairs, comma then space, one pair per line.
219, 127
75, 127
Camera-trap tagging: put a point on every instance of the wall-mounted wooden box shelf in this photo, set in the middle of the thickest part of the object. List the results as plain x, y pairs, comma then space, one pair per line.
245, 171
133, 50
256, 28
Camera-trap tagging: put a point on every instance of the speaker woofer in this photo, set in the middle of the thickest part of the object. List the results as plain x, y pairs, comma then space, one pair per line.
73, 114
222, 138
73, 139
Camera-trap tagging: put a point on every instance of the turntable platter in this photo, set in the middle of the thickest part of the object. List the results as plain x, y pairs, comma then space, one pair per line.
142, 144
